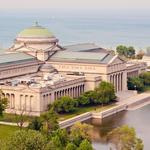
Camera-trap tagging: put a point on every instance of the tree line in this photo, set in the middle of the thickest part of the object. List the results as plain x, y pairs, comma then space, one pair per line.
129, 52
103, 94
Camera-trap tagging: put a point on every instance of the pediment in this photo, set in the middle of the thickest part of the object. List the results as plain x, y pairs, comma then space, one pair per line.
116, 60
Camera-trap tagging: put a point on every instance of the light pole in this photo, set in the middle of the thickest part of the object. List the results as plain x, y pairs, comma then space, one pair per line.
135, 90
135, 87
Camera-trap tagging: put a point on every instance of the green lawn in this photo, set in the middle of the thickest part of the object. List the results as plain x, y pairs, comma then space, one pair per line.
81, 110
6, 131
13, 118
61, 117
147, 89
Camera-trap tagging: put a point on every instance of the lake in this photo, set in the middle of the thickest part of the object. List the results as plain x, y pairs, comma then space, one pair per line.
139, 119
107, 32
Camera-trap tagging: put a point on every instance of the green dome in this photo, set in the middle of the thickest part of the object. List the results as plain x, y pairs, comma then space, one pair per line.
35, 32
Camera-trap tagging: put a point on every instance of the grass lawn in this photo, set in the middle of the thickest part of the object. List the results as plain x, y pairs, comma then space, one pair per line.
147, 89
81, 110
6, 131
61, 117
13, 118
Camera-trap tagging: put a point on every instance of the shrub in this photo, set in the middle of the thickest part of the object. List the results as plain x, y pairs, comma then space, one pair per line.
35, 124
146, 78
135, 83
105, 92
65, 105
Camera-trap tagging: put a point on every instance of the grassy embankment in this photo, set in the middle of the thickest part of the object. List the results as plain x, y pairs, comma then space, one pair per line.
6, 131
61, 117
81, 110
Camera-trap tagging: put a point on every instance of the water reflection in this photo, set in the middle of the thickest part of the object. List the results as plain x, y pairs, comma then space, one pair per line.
139, 119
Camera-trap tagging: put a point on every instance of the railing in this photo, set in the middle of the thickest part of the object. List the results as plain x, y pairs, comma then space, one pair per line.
79, 118
90, 115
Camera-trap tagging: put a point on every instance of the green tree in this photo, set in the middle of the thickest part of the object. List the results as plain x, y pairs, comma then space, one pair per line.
88, 98
124, 138
35, 124
128, 52
131, 52
71, 146
3, 103
62, 136
146, 78
135, 83
65, 104
85, 145
105, 92
26, 140
122, 50
139, 144
50, 122
79, 132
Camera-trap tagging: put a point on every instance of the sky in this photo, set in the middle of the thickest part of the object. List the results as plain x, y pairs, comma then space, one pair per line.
139, 6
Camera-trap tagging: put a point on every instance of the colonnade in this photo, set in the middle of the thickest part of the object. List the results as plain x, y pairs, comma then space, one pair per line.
26, 102
23, 102
11, 100
46, 100
132, 74
117, 81
72, 92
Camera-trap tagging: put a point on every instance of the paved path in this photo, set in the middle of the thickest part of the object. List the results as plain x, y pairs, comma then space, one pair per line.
13, 124
139, 99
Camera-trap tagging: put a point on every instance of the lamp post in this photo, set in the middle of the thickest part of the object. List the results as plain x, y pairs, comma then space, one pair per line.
135, 91
135, 87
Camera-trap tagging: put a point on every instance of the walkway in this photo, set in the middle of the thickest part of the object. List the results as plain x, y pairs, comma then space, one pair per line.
134, 100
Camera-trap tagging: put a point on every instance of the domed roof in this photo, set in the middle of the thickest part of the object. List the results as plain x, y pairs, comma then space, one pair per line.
35, 31
47, 68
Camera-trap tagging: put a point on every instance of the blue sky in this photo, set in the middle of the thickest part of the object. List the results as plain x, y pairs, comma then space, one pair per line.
77, 5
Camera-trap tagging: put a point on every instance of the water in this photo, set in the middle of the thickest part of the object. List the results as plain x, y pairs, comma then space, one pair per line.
107, 32
139, 119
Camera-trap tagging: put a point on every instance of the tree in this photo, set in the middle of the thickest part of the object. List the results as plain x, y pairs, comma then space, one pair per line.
26, 140
85, 145
62, 136
88, 98
35, 124
122, 50
135, 83
3, 103
79, 132
71, 146
105, 92
146, 78
124, 138
20, 118
50, 122
64, 105
130, 52
140, 54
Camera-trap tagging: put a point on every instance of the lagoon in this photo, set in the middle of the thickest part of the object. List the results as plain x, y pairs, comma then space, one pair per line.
139, 119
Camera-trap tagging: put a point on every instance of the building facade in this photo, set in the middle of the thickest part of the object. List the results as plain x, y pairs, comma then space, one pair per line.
36, 70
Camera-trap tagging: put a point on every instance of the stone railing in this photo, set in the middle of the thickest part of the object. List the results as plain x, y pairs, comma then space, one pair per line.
79, 118
94, 115
109, 112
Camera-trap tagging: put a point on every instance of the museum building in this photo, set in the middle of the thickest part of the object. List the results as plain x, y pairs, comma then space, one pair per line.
36, 70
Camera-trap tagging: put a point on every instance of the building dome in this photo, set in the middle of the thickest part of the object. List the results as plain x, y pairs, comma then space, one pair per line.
47, 68
35, 31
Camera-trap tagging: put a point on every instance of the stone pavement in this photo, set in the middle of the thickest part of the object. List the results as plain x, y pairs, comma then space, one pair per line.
133, 99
